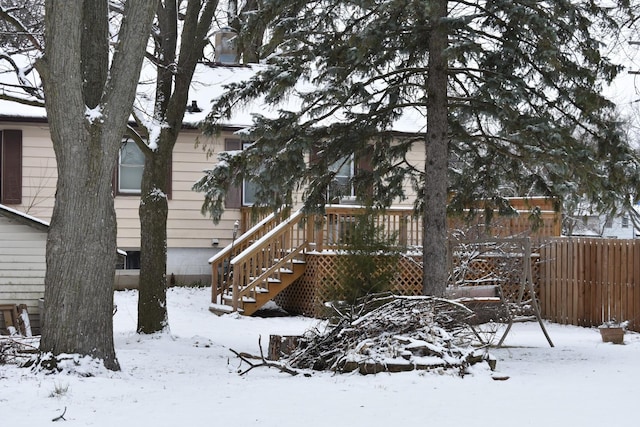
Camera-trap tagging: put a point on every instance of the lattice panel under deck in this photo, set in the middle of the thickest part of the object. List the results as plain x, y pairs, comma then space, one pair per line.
306, 295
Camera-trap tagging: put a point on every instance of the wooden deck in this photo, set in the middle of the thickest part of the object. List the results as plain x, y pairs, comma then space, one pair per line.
276, 253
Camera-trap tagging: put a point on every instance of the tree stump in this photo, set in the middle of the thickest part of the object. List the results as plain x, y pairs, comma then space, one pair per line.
281, 345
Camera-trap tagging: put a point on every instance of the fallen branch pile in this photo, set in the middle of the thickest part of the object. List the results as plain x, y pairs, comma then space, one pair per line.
17, 349
405, 334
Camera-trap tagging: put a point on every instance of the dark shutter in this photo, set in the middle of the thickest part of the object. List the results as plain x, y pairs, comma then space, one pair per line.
365, 163
11, 168
363, 177
314, 158
234, 194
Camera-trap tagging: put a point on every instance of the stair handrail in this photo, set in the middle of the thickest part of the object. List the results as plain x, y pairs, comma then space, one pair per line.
249, 235
218, 285
240, 263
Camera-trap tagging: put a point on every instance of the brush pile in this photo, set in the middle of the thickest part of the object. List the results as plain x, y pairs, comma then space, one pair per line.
405, 334
17, 349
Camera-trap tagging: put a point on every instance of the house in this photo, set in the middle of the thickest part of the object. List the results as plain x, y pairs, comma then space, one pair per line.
28, 178
589, 224
23, 240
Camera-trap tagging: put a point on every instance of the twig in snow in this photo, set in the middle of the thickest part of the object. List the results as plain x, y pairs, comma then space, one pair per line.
61, 416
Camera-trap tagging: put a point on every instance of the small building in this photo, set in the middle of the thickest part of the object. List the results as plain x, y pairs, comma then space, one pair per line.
23, 240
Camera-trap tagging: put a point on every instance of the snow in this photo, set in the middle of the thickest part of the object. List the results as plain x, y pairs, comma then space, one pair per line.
24, 215
93, 114
189, 377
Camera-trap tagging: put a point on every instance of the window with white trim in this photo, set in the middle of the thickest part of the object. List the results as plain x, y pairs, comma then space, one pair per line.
249, 188
342, 185
130, 168
625, 222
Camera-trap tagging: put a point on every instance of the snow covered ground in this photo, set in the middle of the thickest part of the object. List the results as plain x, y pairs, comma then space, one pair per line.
189, 378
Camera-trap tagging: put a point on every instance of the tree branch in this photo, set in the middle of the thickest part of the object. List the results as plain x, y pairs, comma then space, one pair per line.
264, 362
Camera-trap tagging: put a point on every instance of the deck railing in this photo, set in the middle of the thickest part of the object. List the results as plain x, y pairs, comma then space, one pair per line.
261, 264
331, 230
221, 262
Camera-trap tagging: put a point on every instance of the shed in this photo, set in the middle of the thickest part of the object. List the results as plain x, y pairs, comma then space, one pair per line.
23, 241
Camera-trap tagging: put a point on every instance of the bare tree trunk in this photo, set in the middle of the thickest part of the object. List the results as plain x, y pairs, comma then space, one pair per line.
81, 246
152, 298
172, 90
435, 183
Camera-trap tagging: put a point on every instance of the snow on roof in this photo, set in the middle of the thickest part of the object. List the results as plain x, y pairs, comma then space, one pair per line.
208, 83
26, 218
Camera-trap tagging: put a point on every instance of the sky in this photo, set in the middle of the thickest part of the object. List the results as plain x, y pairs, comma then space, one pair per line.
189, 377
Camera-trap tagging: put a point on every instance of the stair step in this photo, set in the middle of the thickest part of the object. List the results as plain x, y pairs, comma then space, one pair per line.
244, 299
269, 280
282, 270
221, 309
294, 260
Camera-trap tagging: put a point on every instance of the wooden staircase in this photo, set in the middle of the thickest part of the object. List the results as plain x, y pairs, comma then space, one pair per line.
258, 265
261, 295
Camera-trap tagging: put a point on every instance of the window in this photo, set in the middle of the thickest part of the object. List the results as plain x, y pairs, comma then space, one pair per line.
248, 188
132, 261
342, 187
625, 222
241, 195
130, 167
608, 222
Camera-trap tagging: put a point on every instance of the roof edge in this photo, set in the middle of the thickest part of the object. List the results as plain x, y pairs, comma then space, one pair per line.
24, 218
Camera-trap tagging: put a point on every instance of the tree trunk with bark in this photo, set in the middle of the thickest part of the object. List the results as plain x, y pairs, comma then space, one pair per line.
172, 91
153, 211
87, 117
436, 162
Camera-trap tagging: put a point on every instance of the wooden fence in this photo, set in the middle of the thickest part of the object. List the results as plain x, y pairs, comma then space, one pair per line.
585, 282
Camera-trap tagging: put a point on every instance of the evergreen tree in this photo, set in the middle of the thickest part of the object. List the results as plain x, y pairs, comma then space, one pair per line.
367, 267
504, 96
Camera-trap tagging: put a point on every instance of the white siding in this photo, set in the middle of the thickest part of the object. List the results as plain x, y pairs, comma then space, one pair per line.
620, 229
22, 263
186, 226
